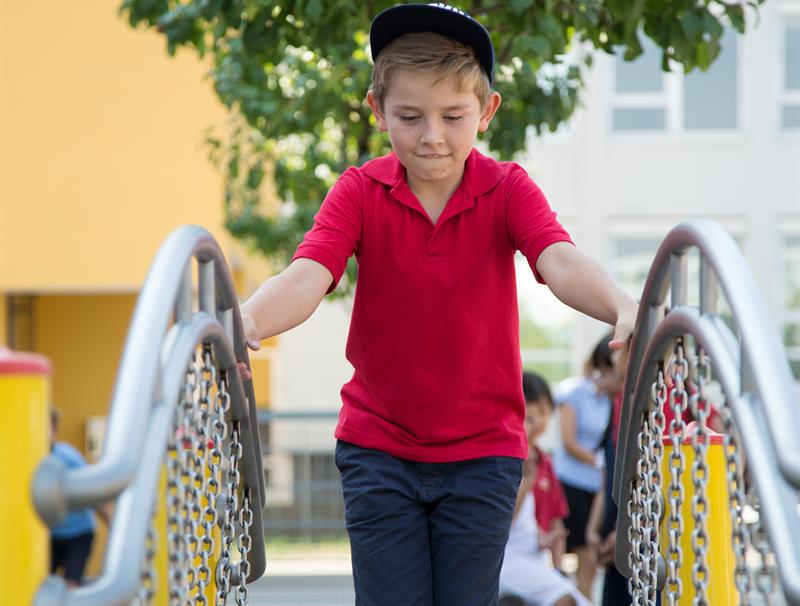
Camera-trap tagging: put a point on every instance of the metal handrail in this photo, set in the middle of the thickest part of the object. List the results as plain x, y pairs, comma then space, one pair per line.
151, 373
752, 370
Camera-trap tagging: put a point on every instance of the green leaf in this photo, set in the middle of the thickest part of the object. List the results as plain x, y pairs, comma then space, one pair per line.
520, 6
692, 25
537, 46
293, 74
735, 14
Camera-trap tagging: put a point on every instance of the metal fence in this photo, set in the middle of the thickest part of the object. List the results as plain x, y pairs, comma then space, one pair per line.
308, 555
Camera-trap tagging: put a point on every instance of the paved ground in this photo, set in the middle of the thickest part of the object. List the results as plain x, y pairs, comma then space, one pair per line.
337, 590
295, 590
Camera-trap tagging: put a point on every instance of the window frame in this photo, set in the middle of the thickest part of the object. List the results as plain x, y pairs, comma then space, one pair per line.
672, 100
785, 13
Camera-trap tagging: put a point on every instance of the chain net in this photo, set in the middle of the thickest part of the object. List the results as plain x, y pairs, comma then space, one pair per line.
207, 514
668, 495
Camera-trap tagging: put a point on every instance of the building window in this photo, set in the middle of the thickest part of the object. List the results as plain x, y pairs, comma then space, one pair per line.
791, 324
633, 250
648, 99
631, 260
790, 97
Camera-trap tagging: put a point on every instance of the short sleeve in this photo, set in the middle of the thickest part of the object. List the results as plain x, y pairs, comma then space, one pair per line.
532, 224
336, 232
561, 509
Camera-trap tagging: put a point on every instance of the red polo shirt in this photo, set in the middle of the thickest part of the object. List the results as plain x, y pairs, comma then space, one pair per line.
434, 334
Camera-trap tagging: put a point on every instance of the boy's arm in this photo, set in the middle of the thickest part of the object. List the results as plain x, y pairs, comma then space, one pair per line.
582, 283
284, 300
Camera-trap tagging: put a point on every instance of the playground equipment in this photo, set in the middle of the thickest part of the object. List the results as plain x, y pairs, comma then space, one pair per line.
182, 454
24, 400
674, 358
179, 412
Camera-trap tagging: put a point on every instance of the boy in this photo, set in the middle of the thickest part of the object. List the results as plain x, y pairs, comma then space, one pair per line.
430, 435
527, 575
548, 494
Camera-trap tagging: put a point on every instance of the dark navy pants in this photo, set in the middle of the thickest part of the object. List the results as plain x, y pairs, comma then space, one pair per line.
426, 534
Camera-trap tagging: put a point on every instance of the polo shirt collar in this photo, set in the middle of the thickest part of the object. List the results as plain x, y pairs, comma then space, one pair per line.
481, 173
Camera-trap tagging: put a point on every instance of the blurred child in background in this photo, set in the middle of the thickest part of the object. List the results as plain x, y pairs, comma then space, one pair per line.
528, 577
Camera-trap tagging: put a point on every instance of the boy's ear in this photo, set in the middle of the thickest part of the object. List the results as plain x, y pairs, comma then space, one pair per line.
376, 111
489, 111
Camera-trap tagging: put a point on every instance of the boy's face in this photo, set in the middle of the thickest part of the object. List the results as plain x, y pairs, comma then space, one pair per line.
537, 415
432, 126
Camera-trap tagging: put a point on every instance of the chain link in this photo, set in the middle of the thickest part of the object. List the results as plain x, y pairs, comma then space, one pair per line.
678, 401
654, 480
766, 575
700, 440
244, 543
225, 565
736, 501
202, 492
147, 588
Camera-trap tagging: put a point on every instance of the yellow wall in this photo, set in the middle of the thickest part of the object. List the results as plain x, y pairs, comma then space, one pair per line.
101, 156
102, 149
83, 337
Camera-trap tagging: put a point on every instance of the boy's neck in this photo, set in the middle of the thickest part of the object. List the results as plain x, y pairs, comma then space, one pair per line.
434, 195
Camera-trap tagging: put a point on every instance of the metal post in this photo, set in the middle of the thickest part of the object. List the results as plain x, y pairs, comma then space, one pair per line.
24, 400
721, 556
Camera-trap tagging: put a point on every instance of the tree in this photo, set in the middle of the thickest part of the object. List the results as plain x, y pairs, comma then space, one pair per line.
294, 74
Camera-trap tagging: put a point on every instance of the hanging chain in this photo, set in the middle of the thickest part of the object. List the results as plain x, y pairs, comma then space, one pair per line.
735, 478
244, 544
638, 509
678, 401
656, 454
219, 433
206, 484
148, 577
766, 575
700, 440
199, 458
178, 490
225, 566
193, 448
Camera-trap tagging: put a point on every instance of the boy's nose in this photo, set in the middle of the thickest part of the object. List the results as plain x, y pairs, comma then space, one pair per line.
431, 134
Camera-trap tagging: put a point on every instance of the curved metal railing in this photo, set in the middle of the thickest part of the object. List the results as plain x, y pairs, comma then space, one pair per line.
155, 407
758, 405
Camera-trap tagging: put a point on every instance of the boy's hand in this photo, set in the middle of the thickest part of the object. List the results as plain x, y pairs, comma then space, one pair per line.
623, 329
250, 332
252, 340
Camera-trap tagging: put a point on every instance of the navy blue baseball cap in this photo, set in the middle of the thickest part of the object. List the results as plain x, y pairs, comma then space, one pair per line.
434, 17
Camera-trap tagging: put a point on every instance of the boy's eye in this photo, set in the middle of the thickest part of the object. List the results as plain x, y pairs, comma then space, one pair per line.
408, 118
451, 118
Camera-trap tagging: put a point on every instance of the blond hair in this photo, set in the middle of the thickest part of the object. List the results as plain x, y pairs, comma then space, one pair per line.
428, 52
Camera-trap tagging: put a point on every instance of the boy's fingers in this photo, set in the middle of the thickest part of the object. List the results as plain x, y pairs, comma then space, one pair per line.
244, 372
616, 343
254, 344
620, 342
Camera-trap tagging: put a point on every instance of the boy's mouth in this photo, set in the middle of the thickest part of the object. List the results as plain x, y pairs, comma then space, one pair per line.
432, 156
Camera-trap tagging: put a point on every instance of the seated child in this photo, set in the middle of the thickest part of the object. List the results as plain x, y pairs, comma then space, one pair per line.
527, 574
548, 494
